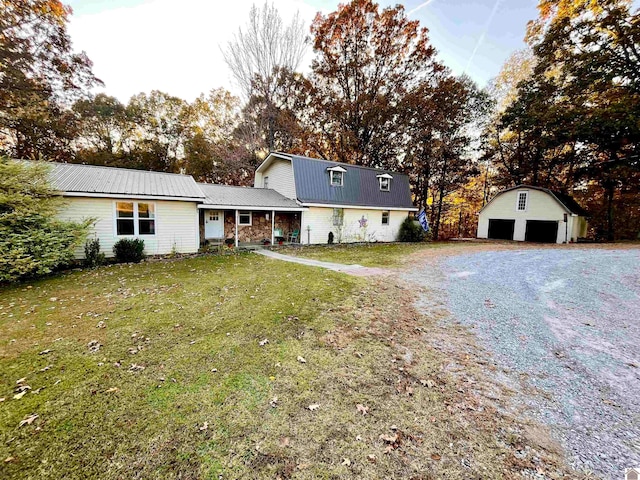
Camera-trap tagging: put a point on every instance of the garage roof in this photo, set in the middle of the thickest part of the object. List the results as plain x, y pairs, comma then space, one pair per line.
566, 201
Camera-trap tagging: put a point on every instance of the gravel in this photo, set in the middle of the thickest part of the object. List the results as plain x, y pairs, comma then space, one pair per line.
564, 325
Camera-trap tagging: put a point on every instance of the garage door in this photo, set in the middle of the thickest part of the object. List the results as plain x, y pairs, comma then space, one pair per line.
541, 231
501, 229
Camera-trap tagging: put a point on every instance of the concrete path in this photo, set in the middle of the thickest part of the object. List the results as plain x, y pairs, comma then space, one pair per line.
357, 270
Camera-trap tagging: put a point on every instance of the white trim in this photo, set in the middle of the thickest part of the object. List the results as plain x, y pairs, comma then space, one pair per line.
388, 218
385, 175
206, 206
337, 168
133, 197
382, 177
360, 207
244, 212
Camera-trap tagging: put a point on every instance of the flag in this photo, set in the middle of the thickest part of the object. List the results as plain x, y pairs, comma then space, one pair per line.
422, 218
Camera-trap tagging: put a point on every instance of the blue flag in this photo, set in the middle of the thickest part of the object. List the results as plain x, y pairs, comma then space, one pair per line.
422, 218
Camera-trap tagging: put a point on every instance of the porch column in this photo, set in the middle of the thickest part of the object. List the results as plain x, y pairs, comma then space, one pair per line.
273, 226
237, 228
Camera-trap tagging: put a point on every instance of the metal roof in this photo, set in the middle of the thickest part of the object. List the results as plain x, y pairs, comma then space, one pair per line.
566, 201
361, 186
225, 195
92, 180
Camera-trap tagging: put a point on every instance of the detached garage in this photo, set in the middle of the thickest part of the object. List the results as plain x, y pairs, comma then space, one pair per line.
532, 214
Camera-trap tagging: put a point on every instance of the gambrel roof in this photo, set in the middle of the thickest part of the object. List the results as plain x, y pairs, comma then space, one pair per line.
361, 186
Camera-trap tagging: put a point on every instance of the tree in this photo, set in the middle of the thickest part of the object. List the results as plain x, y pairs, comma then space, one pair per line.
260, 55
40, 76
367, 61
105, 131
32, 241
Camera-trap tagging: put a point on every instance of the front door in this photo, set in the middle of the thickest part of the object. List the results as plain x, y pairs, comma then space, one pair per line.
213, 224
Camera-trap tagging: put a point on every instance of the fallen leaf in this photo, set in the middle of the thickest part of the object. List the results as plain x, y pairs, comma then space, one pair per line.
9, 459
264, 342
111, 390
22, 380
136, 368
362, 409
214, 370
44, 369
28, 420
44, 352
301, 359
284, 442
346, 462
435, 456
389, 438
204, 426
314, 406
371, 458
274, 402
18, 396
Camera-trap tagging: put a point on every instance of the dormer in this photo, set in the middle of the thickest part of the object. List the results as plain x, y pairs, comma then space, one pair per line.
385, 182
336, 176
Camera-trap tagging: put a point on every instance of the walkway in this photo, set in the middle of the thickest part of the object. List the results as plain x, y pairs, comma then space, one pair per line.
357, 270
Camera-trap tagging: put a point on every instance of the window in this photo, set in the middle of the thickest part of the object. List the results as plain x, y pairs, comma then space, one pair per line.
384, 184
385, 218
244, 218
124, 218
135, 218
265, 182
214, 216
522, 201
338, 217
336, 178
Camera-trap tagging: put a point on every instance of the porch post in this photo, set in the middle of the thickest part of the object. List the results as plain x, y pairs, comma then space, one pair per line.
273, 226
236, 228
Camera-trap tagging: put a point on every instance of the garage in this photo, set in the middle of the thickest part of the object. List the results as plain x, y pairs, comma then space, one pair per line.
501, 229
541, 231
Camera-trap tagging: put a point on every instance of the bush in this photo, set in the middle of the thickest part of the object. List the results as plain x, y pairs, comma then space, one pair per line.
129, 250
92, 256
410, 231
32, 240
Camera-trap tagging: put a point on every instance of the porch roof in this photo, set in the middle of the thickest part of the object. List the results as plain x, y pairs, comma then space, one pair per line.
245, 198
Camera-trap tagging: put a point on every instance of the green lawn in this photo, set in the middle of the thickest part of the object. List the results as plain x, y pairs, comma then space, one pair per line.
181, 386
368, 255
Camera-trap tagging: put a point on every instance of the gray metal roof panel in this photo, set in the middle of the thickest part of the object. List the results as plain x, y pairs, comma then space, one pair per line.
244, 196
92, 179
361, 186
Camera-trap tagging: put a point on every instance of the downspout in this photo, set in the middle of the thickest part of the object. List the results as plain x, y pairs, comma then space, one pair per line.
236, 229
273, 226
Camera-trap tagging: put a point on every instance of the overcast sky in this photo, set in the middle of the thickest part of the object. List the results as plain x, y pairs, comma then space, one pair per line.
174, 45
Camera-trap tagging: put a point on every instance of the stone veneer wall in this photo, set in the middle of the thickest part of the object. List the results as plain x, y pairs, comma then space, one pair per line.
260, 227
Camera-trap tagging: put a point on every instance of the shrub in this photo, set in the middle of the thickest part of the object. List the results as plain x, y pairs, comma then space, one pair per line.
129, 250
32, 240
410, 231
92, 255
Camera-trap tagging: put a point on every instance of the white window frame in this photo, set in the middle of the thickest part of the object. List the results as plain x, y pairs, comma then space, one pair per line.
336, 184
136, 219
265, 182
245, 212
526, 201
340, 216
388, 216
388, 180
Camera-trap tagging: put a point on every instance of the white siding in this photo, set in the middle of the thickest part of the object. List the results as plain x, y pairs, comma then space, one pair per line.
320, 220
540, 206
280, 173
176, 224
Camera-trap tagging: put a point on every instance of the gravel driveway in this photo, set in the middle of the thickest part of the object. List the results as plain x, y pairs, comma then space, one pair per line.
565, 326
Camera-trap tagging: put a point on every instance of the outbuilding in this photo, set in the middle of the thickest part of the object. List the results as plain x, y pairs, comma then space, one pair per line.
532, 214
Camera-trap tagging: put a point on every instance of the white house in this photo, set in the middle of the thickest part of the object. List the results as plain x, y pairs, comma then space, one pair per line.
295, 199
354, 203
532, 214
160, 208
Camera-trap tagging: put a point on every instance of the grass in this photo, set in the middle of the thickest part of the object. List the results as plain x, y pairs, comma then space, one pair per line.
101, 415
368, 255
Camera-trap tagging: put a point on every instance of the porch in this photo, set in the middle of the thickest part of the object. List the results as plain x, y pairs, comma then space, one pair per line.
250, 229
